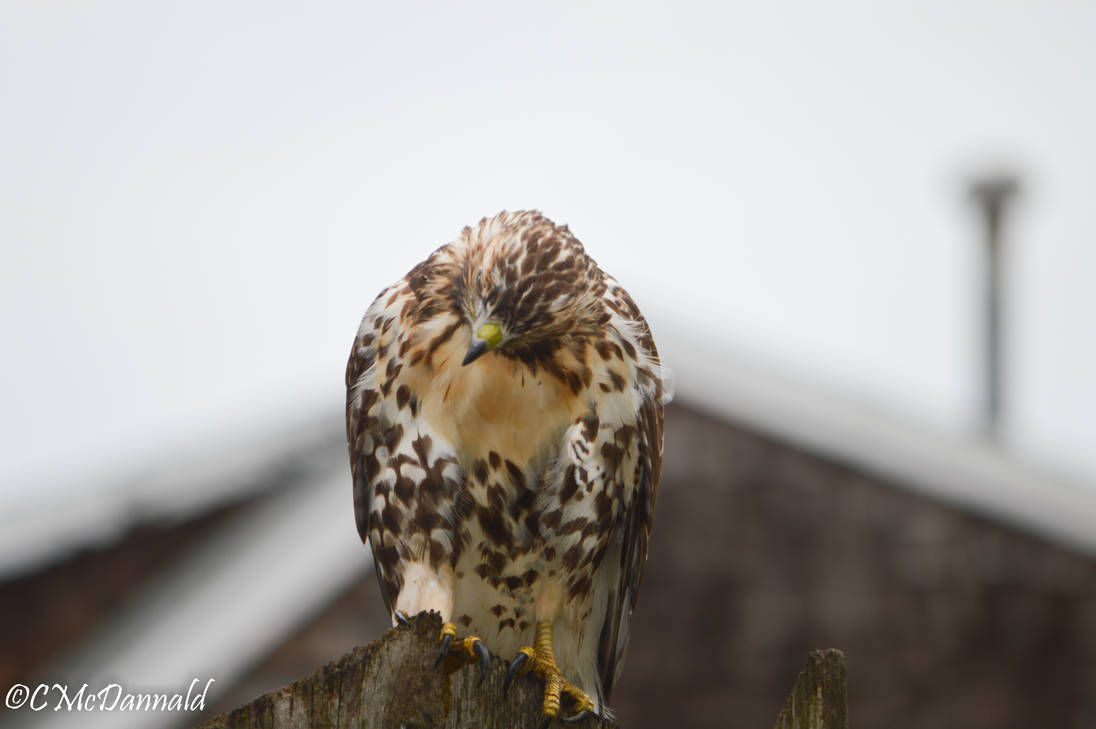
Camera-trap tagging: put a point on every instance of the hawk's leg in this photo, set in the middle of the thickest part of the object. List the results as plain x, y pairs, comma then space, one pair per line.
541, 659
470, 649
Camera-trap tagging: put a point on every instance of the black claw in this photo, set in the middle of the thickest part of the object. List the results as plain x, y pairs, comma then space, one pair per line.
545, 722
445, 642
484, 659
402, 618
512, 670
577, 717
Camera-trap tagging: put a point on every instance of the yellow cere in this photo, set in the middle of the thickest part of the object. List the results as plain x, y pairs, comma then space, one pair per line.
490, 331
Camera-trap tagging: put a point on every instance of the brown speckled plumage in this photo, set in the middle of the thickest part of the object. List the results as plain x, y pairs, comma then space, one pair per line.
519, 487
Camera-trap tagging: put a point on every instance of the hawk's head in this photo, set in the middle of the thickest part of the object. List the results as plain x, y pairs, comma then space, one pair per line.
523, 285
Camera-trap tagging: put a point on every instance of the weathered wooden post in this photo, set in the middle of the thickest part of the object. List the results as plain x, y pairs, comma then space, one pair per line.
820, 697
392, 684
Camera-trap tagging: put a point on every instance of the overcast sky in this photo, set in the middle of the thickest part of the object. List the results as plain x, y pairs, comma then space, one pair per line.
198, 201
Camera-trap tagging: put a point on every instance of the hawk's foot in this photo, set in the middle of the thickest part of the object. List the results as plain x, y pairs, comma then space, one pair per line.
469, 650
541, 660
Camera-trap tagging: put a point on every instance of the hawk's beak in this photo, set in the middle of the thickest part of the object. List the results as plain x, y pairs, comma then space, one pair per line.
487, 337
479, 346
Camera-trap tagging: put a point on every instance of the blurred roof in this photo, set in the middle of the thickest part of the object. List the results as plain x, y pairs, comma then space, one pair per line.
177, 482
961, 469
965, 470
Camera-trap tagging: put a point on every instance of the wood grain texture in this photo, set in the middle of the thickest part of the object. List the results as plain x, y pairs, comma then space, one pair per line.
820, 697
392, 684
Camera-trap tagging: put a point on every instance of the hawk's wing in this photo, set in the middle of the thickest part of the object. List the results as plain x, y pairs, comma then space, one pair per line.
635, 527
402, 516
363, 431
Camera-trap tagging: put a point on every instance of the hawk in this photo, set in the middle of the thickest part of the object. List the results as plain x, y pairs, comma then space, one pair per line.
504, 419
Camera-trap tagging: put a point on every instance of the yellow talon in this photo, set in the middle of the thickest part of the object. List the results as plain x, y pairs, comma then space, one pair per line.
529, 653
541, 659
472, 648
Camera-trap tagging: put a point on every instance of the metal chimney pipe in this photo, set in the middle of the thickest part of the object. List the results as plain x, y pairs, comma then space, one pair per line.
993, 194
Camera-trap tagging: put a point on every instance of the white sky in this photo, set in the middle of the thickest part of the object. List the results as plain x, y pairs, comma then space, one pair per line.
198, 201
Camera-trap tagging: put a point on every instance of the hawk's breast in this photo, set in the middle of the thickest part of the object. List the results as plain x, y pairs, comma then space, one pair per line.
496, 404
